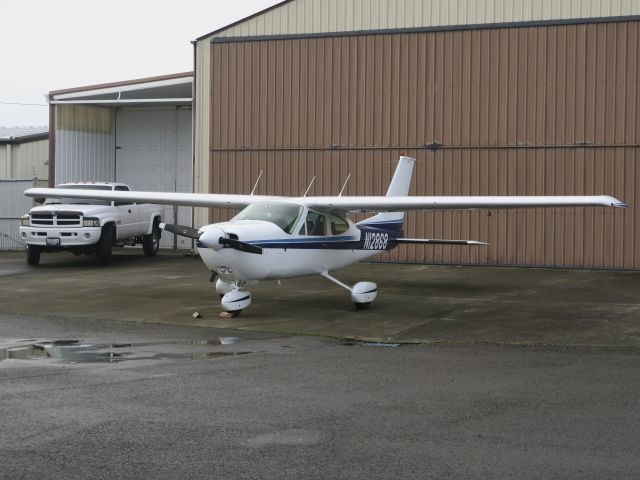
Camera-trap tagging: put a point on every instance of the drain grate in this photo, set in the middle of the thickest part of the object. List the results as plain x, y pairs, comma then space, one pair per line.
380, 345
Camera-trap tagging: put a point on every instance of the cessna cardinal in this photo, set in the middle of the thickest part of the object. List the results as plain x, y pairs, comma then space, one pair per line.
283, 237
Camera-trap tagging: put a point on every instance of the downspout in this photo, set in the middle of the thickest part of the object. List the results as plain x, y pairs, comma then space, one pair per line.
52, 143
193, 134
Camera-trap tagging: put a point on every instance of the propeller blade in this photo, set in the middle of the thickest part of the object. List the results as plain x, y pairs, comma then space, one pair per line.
240, 246
181, 230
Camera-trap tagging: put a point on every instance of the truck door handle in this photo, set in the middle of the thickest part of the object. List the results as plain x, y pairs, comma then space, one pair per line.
129, 210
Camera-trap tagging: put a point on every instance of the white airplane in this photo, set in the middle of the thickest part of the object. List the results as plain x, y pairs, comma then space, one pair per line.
282, 237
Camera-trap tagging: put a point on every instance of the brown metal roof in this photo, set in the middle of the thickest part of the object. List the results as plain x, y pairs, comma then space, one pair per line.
122, 83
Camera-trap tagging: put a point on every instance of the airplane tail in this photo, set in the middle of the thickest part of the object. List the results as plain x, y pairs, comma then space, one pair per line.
399, 187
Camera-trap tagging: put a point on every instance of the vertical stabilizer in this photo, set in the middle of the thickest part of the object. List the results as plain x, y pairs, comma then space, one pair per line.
399, 187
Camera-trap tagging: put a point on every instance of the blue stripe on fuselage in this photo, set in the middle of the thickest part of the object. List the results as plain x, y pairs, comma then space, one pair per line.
371, 238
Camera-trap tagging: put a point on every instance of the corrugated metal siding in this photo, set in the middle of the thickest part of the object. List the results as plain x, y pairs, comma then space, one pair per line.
84, 143
567, 237
201, 125
5, 168
526, 86
322, 16
537, 110
28, 160
32, 160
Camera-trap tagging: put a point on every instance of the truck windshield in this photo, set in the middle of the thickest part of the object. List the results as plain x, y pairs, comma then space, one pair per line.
284, 215
79, 201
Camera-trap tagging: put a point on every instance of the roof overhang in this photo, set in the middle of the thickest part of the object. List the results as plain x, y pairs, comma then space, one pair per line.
166, 90
11, 135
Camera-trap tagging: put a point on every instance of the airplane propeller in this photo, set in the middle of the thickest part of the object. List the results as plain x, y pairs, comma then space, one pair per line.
213, 238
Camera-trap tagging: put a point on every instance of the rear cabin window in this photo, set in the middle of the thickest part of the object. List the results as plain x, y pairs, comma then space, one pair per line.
338, 224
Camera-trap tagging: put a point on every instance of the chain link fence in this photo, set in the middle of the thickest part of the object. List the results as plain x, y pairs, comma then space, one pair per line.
13, 205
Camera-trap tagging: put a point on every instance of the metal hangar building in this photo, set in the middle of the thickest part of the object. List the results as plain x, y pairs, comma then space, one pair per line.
493, 97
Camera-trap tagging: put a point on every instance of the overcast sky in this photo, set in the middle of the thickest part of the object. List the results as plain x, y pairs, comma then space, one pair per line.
50, 45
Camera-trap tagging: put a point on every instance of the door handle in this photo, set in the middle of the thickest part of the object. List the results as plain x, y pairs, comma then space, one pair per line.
129, 210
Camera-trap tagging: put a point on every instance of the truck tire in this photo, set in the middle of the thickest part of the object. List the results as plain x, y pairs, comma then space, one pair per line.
151, 242
33, 255
105, 245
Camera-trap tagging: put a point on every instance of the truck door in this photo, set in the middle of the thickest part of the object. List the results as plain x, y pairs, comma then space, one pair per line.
127, 225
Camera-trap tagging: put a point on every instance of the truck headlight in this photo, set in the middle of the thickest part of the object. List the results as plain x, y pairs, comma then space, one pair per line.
90, 222
24, 220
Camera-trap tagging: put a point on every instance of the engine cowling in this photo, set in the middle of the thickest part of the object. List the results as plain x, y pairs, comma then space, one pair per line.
236, 300
363, 293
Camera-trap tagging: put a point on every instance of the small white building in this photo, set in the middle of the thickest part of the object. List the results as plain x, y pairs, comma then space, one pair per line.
24, 153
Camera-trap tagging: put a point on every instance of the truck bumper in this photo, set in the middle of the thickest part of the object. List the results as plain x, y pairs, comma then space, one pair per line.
60, 238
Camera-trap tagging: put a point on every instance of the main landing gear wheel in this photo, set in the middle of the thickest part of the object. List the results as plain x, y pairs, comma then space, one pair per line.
362, 293
222, 287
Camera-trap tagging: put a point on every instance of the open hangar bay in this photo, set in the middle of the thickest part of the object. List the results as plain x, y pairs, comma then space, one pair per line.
515, 373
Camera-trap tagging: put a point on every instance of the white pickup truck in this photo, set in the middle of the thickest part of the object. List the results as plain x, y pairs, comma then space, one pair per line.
90, 226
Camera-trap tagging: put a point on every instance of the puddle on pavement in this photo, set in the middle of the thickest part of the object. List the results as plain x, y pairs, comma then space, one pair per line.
75, 351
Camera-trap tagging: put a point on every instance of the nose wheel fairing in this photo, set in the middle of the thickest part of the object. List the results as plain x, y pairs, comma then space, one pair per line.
236, 300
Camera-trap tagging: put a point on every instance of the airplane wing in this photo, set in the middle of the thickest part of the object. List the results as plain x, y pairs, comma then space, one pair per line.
161, 198
391, 204
344, 203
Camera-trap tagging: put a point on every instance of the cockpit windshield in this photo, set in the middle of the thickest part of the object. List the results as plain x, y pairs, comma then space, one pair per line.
79, 201
284, 215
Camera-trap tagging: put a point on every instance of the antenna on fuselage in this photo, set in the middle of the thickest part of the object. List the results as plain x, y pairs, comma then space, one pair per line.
309, 187
258, 180
344, 185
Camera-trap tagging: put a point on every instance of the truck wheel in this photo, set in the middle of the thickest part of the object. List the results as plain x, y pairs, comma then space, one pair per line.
151, 242
33, 255
105, 245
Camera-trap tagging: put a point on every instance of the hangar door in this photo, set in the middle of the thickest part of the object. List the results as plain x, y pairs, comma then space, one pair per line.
153, 153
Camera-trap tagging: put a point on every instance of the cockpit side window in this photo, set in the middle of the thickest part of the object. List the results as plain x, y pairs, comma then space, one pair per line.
315, 224
338, 224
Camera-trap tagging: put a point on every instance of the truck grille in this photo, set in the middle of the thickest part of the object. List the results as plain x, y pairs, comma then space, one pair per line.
56, 220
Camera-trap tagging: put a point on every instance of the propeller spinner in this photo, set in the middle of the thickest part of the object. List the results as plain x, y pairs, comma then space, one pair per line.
213, 237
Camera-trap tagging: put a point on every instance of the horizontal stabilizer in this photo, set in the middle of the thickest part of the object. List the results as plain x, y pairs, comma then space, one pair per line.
437, 241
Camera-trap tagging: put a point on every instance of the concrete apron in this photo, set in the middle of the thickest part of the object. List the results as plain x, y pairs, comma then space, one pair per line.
416, 303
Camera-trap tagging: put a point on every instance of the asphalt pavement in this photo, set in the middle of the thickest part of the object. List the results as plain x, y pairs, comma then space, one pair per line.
175, 403
454, 372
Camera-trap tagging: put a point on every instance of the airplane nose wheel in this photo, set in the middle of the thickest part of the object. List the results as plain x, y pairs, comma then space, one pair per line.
235, 301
